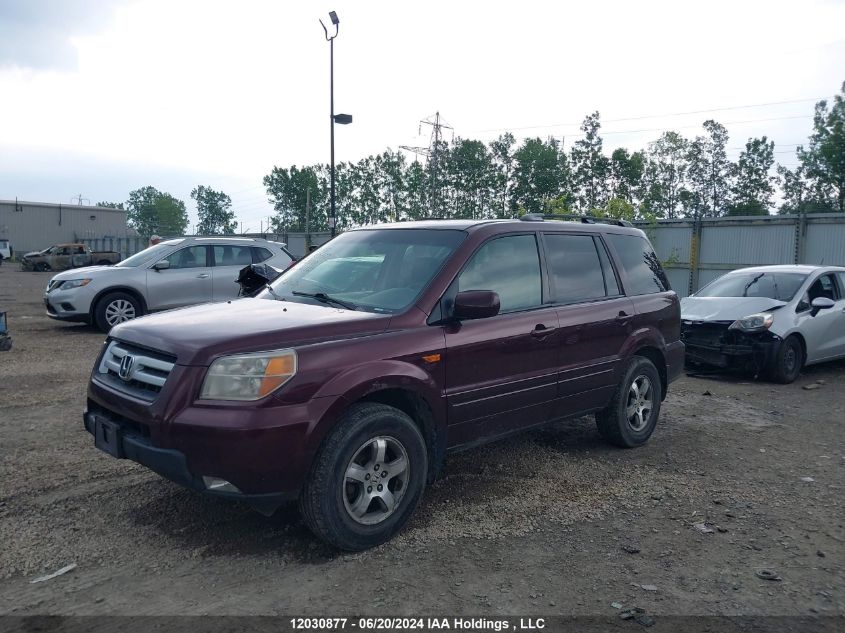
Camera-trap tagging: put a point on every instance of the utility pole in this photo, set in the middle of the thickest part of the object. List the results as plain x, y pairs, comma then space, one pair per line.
432, 153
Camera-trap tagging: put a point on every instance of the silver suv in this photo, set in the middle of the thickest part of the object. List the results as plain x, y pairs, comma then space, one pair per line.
172, 274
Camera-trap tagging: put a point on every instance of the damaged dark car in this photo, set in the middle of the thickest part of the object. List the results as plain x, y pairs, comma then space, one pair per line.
768, 320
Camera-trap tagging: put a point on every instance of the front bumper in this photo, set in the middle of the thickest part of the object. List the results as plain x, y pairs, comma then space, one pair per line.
714, 345
123, 442
71, 305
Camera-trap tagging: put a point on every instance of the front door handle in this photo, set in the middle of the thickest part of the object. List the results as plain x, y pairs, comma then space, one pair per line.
202, 276
541, 331
623, 317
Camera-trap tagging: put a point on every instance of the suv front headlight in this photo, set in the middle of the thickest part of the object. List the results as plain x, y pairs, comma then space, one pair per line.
67, 284
248, 376
753, 322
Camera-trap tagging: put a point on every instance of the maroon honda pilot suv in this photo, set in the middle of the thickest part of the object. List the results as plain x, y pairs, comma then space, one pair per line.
345, 382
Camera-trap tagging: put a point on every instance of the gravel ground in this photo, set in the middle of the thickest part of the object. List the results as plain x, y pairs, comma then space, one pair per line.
747, 478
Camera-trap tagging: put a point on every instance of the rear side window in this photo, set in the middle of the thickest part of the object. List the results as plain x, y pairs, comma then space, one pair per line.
225, 255
643, 270
509, 266
260, 254
575, 268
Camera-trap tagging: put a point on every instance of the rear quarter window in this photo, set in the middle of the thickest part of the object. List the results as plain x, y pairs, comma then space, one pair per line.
643, 271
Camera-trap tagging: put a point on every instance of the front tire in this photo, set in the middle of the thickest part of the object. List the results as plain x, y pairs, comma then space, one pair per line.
115, 308
787, 361
42, 267
631, 416
367, 478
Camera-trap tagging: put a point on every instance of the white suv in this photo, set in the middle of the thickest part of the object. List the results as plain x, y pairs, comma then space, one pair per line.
172, 274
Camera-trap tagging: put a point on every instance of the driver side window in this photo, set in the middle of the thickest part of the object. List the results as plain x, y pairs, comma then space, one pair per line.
191, 257
824, 286
509, 266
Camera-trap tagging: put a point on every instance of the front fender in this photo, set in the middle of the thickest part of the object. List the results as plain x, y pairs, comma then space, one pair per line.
357, 383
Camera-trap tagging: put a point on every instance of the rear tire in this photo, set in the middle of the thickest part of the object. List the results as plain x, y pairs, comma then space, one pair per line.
631, 416
788, 360
115, 308
367, 479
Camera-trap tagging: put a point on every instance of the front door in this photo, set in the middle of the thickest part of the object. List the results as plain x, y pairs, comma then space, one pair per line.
188, 281
825, 332
501, 371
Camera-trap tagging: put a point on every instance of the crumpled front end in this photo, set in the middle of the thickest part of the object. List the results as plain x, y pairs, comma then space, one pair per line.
714, 344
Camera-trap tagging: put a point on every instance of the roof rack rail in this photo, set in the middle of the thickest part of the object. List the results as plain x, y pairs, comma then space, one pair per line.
584, 219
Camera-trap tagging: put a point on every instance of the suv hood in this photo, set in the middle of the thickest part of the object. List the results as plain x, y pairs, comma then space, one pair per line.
199, 334
74, 273
725, 308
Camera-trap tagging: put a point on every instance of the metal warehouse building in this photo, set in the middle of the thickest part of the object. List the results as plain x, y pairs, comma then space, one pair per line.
31, 226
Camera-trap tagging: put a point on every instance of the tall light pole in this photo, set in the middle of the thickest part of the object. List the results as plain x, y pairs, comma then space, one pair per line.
343, 119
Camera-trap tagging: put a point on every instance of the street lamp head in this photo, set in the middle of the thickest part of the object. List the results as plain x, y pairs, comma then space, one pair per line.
333, 17
343, 119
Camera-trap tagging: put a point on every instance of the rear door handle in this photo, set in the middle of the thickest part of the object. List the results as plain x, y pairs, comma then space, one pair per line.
202, 276
541, 331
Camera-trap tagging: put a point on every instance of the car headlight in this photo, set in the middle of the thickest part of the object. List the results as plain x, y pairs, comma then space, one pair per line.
248, 376
753, 322
67, 284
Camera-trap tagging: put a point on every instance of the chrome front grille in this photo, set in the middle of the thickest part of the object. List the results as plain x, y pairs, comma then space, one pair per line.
133, 370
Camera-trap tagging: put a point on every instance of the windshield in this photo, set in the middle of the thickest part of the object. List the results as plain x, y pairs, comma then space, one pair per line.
378, 270
779, 286
153, 253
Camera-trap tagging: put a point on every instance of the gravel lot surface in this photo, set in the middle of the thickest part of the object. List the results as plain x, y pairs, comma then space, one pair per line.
741, 476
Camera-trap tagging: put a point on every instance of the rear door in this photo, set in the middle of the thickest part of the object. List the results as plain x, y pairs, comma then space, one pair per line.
594, 316
501, 372
188, 281
229, 259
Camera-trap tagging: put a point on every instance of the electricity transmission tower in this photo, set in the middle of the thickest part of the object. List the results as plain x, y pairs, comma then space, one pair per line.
80, 200
432, 153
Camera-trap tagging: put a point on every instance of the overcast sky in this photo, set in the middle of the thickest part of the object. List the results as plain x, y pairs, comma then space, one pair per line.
98, 97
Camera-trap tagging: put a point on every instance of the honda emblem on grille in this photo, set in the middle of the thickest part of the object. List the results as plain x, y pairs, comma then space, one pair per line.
125, 371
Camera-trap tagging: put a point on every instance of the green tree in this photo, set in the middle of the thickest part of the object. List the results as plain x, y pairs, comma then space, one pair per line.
502, 150
151, 212
538, 175
288, 192
824, 160
471, 177
590, 168
753, 184
666, 175
111, 205
214, 210
709, 170
626, 175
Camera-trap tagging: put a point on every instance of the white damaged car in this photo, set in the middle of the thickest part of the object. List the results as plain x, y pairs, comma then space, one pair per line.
772, 320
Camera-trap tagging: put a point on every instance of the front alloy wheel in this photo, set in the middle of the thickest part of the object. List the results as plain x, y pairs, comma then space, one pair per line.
366, 479
376, 480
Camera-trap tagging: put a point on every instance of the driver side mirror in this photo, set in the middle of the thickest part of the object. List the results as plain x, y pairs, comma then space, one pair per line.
162, 265
476, 304
821, 303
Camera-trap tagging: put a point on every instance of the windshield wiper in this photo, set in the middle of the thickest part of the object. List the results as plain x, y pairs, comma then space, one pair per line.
751, 283
269, 288
324, 298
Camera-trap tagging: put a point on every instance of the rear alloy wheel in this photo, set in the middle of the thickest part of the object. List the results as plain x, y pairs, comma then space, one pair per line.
367, 478
787, 361
116, 308
631, 416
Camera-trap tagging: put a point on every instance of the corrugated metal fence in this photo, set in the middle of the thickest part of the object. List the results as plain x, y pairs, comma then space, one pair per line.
127, 246
696, 253
693, 252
